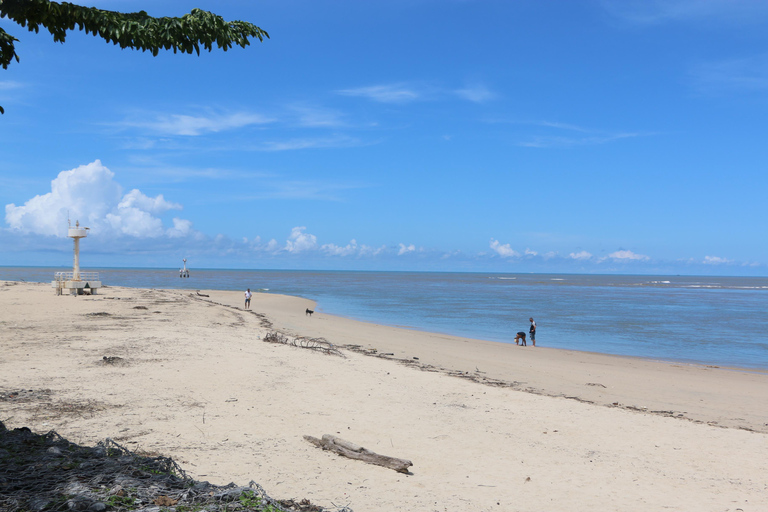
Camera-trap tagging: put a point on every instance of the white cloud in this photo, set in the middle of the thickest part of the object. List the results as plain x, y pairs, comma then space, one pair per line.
180, 229
7, 85
748, 74
556, 141
299, 241
476, 93
625, 255
529, 252
155, 205
392, 93
366, 250
405, 249
581, 255
180, 124
505, 251
90, 195
317, 117
336, 141
646, 12
335, 250
715, 260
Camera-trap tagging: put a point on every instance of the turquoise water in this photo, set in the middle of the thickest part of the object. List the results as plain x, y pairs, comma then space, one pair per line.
712, 320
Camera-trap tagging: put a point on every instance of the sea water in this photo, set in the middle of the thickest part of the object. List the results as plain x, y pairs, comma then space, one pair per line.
711, 320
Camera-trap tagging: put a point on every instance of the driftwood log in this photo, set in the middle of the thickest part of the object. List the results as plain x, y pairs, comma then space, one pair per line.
352, 451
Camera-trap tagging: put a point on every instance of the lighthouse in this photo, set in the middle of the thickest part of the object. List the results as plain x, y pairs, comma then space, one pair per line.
77, 233
76, 282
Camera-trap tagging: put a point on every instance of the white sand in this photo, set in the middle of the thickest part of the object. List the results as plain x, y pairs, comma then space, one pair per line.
201, 386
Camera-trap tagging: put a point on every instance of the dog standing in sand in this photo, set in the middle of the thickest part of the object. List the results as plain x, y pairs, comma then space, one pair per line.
309, 312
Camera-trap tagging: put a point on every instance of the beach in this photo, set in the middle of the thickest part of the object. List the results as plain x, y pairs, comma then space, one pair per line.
487, 425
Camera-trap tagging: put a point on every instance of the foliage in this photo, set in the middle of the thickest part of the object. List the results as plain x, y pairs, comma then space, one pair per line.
137, 30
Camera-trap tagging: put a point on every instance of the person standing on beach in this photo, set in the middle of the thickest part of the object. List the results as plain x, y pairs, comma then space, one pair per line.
248, 298
532, 330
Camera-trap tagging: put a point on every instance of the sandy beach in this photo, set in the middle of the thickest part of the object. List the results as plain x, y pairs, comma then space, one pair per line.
488, 426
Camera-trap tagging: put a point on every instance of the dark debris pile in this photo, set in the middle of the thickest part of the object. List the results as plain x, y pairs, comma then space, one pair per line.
45, 472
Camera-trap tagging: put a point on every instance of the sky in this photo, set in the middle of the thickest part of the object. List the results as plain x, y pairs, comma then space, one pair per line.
567, 136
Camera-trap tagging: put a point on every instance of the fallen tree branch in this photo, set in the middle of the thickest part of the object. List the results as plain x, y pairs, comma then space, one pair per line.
352, 451
318, 344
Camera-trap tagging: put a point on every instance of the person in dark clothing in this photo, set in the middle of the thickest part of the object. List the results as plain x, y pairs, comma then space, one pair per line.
520, 338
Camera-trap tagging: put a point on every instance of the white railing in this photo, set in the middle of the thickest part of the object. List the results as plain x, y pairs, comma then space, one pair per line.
68, 276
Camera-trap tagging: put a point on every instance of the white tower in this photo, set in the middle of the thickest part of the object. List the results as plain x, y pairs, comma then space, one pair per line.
76, 282
77, 233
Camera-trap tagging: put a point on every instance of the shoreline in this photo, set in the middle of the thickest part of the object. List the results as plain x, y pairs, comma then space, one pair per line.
591, 377
690, 338
690, 362
191, 377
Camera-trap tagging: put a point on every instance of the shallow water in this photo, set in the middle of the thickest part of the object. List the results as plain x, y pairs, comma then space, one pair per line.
712, 320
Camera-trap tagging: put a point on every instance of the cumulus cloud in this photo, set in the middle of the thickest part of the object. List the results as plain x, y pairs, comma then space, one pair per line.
335, 250
299, 241
405, 249
181, 228
715, 260
530, 252
625, 255
581, 255
154, 205
90, 194
505, 251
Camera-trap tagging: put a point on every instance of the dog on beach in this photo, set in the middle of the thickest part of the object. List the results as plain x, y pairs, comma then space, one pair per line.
309, 312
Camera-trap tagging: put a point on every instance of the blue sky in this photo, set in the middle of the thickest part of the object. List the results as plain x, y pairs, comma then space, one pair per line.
461, 135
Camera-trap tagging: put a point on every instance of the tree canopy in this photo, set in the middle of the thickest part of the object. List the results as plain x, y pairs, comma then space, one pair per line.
137, 30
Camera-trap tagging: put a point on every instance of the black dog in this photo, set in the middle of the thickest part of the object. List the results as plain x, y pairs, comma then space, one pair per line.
309, 312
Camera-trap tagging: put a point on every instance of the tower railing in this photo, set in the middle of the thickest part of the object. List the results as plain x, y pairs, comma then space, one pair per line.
69, 276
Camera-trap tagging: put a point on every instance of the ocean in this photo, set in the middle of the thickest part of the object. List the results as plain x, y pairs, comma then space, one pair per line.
711, 320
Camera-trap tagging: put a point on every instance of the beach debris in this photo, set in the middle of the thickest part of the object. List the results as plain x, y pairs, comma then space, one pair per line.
100, 313
318, 344
140, 307
201, 294
114, 360
596, 384
24, 395
301, 506
47, 472
165, 501
353, 451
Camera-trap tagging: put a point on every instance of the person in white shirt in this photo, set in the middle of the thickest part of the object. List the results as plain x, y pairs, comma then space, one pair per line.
248, 295
532, 331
